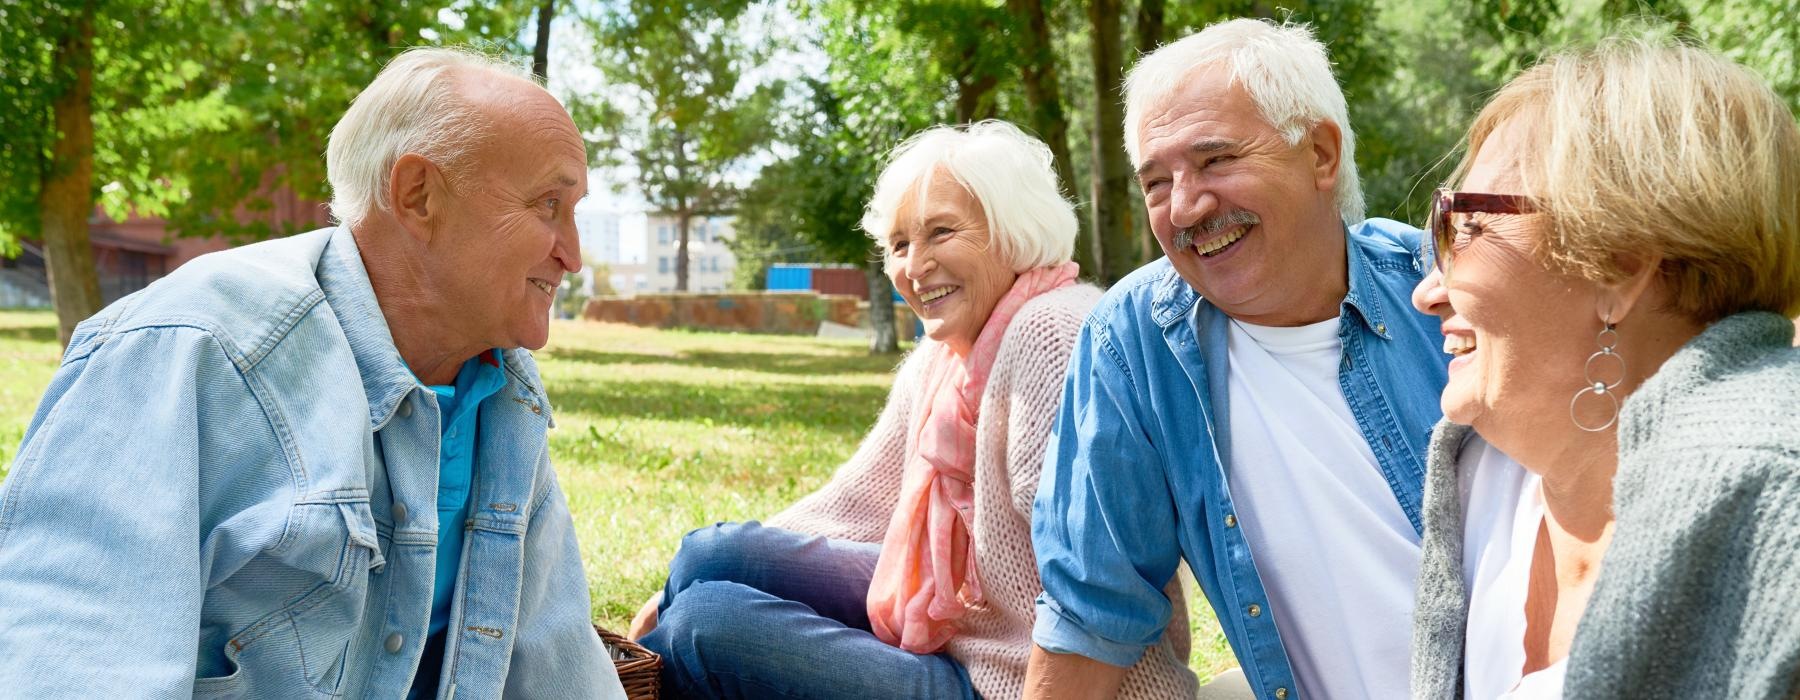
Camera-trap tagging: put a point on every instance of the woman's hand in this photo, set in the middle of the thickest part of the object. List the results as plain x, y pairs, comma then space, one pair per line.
645, 621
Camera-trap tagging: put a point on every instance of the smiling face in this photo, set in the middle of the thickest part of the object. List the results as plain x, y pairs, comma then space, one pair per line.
1246, 219
1519, 331
941, 258
509, 233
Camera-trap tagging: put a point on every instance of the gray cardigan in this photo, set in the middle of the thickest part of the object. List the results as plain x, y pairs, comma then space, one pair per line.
1699, 592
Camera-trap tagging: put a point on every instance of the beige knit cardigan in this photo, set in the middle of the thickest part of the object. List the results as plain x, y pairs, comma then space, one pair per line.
1024, 389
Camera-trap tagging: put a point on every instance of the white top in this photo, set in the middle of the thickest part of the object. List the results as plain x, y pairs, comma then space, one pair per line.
1336, 553
1503, 508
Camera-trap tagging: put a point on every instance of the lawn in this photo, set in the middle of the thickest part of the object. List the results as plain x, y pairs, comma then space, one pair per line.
657, 433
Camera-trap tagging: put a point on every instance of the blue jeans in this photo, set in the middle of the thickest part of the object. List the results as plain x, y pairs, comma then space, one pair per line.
759, 612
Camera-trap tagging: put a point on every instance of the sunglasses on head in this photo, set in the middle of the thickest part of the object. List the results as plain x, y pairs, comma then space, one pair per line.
1440, 234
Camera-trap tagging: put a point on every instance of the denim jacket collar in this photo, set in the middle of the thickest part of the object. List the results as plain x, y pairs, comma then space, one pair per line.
1174, 298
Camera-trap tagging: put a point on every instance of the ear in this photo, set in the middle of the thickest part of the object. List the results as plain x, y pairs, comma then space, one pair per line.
1617, 300
417, 195
1327, 151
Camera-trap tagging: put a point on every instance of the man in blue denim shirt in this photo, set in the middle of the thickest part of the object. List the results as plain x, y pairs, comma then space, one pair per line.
239, 483
1256, 403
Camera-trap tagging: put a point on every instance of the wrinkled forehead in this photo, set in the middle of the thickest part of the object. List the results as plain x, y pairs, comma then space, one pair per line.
937, 192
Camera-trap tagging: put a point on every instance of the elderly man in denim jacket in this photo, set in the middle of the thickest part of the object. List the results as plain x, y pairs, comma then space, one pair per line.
316, 467
1256, 403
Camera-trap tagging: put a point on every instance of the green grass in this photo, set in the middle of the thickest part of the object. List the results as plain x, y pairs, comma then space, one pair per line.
657, 433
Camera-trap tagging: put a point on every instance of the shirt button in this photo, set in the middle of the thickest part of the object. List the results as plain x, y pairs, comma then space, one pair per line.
1382, 329
405, 409
1255, 610
1281, 694
394, 642
1230, 520
399, 513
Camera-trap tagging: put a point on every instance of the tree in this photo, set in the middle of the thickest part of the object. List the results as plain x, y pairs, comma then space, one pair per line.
1043, 95
1113, 224
696, 118
195, 111
540, 52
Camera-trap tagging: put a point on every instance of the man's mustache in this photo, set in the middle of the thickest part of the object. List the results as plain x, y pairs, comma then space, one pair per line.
1213, 225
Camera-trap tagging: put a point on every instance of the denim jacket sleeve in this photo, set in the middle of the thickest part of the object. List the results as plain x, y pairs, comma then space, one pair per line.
1103, 521
78, 614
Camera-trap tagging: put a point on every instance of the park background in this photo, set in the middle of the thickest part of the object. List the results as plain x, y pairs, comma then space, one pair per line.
136, 133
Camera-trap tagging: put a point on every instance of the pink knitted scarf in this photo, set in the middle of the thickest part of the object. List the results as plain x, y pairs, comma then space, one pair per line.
925, 579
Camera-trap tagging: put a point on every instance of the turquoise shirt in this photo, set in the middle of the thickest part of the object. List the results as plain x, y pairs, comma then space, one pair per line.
458, 404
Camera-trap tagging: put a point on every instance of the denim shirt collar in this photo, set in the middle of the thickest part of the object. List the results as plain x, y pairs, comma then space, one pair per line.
1174, 299
385, 377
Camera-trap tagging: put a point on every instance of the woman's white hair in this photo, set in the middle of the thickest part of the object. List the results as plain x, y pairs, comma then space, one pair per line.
411, 107
1286, 71
1007, 171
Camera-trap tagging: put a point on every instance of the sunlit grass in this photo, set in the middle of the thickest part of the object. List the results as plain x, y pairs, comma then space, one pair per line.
657, 433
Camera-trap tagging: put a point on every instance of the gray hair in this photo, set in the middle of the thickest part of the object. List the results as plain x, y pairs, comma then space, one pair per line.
411, 107
1286, 71
1007, 171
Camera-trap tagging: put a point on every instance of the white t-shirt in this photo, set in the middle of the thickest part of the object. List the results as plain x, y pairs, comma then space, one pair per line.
1336, 553
1503, 507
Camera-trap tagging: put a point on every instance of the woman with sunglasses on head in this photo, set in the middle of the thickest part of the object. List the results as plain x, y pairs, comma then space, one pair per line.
1612, 507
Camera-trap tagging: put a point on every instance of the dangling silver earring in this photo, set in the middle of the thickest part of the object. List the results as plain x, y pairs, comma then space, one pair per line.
1608, 340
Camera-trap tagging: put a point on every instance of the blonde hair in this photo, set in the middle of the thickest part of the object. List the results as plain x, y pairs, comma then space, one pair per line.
1006, 170
1286, 71
411, 107
1639, 145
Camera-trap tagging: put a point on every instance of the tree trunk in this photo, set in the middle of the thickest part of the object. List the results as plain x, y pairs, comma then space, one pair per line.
972, 104
881, 310
66, 194
540, 55
1149, 26
1111, 180
681, 247
1038, 73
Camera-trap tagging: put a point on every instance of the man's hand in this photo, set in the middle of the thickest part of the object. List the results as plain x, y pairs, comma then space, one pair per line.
1070, 676
645, 621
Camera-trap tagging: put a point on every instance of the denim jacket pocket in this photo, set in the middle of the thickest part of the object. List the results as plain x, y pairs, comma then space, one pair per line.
328, 622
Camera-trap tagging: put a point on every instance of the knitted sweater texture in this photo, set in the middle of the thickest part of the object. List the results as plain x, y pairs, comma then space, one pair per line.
1024, 390
1699, 592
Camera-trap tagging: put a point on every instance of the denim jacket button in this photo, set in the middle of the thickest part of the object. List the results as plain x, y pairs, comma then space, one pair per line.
1255, 611
1281, 694
1230, 520
399, 512
394, 642
405, 409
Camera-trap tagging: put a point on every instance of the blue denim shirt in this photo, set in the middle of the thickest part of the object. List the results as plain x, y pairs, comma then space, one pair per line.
1136, 474
230, 488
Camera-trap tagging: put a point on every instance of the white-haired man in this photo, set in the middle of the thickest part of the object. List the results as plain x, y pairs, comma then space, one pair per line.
1257, 402
317, 466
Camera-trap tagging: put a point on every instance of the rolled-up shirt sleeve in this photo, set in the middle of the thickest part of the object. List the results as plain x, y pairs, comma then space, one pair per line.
1103, 524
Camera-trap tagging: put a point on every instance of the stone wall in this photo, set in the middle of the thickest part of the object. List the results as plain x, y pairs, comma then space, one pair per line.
794, 313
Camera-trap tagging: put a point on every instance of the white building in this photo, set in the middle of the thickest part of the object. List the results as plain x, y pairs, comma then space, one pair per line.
600, 236
710, 262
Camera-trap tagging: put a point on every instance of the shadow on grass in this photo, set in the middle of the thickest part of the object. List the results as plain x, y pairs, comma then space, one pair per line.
845, 409
771, 362
35, 334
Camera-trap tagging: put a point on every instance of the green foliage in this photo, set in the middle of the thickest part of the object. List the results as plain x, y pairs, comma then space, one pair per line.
203, 108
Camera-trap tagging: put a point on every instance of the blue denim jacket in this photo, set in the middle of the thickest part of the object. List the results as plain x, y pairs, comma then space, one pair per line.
1135, 475
230, 488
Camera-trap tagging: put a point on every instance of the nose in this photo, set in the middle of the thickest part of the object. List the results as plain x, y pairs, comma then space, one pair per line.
1431, 296
919, 262
567, 250
1190, 202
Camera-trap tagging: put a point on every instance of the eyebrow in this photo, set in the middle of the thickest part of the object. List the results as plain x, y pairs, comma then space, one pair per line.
1212, 145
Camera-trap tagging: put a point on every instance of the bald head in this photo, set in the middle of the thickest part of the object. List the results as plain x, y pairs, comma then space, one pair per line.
438, 103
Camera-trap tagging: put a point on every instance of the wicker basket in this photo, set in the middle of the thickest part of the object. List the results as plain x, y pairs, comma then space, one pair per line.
640, 670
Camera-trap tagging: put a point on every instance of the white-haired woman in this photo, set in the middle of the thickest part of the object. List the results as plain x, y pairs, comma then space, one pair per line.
910, 574
1614, 283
